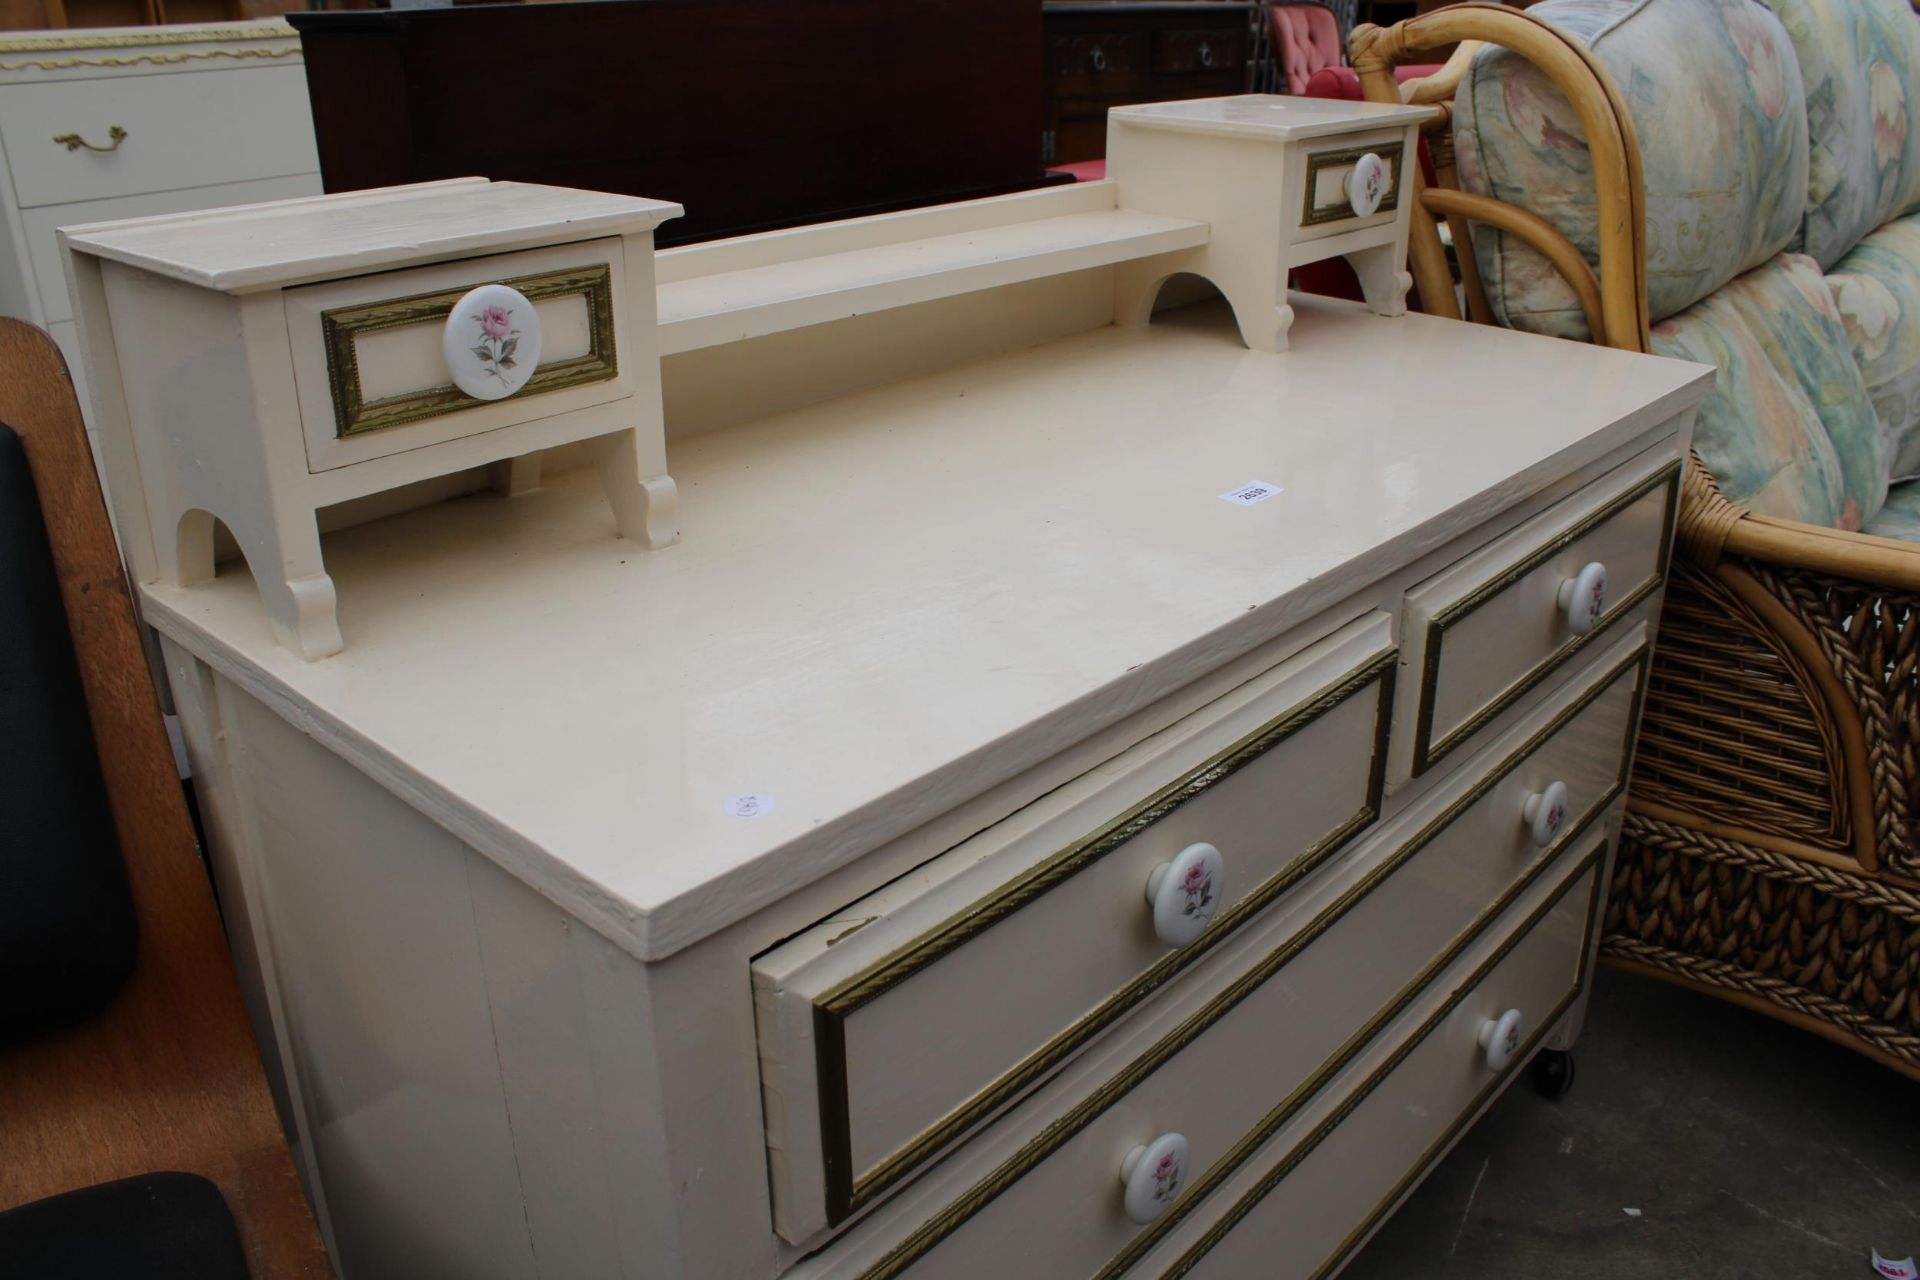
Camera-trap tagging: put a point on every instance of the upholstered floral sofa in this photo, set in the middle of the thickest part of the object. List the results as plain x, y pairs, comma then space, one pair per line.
1736, 183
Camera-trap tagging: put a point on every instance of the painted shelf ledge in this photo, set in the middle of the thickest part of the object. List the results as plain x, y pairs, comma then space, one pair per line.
729, 306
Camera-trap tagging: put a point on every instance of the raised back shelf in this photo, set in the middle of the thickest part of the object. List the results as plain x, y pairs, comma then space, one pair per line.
711, 295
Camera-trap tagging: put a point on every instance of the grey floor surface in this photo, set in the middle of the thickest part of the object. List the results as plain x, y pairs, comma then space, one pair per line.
1752, 1151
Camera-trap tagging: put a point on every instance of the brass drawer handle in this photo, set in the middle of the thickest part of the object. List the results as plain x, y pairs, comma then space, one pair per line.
73, 141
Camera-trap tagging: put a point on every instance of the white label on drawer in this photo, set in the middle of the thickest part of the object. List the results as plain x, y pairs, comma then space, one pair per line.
1251, 492
752, 805
1901, 1270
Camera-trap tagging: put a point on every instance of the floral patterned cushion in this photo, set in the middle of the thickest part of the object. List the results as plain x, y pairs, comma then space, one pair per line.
1860, 63
1900, 518
1788, 430
1877, 288
1716, 98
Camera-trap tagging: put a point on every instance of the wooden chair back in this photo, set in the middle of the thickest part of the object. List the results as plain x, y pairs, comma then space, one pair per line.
167, 1077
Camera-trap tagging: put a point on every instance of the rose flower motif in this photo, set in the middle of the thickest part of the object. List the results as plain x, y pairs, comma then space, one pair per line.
495, 321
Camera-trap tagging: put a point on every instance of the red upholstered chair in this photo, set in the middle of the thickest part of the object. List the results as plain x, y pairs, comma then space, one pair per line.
1306, 40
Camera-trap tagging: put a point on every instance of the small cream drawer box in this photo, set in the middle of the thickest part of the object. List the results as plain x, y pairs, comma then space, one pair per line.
1487, 630
1370, 1140
255, 364
1280, 182
188, 130
1236, 1070
1047, 917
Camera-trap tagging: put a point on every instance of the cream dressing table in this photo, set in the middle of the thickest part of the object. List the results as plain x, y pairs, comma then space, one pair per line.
1080, 799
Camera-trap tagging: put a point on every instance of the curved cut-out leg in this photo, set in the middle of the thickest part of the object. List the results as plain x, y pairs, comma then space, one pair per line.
1382, 283
1263, 327
643, 505
191, 561
293, 584
304, 620
1136, 286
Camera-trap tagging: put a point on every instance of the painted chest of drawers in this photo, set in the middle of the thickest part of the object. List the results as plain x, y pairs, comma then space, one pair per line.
125, 122
1058, 811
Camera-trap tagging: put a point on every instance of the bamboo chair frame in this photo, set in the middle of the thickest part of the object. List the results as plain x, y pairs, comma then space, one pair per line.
1770, 854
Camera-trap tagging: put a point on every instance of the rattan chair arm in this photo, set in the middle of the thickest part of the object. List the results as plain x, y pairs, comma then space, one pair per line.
1533, 229
1612, 144
1710, 528
1836, 553
1438, 88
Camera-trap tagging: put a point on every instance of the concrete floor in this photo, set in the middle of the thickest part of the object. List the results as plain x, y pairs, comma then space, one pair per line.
1751, 1150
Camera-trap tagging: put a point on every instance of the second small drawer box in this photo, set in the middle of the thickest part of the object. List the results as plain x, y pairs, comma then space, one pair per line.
1048, 913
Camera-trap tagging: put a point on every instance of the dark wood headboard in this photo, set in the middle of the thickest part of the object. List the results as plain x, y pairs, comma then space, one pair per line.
754, 114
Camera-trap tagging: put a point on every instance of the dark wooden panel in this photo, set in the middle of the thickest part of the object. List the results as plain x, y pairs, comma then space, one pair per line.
1112, 53
752, 113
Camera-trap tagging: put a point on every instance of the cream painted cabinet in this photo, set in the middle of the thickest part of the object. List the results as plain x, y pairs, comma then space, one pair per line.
1059, 809
123, 122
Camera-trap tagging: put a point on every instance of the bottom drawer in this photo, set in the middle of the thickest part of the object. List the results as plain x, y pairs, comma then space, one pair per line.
1340, 1171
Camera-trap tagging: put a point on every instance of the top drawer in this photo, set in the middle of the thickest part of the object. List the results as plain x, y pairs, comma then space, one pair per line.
1184, 52
185, 130
1098, 63
1493, 626
1046, 920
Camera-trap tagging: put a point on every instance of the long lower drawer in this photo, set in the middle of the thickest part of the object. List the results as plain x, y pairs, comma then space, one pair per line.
1333, 971
1328, 1182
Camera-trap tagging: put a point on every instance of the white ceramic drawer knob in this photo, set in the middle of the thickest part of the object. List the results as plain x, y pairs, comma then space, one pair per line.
1546, 813
1186, 892
1153, 1176
1367, 185
1583, 597
491, 342
1500, 1039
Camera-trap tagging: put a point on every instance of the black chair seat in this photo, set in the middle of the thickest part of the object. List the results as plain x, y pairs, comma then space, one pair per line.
163, 1226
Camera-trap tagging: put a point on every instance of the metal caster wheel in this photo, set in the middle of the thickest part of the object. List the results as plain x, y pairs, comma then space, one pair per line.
1552, 1074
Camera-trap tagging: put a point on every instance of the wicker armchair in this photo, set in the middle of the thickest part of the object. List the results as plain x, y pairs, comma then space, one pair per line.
1771, 853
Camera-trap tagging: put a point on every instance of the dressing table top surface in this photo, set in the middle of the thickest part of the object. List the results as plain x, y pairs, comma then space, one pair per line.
884, 605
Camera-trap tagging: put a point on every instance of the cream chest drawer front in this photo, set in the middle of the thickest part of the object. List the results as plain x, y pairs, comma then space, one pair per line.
374, 379
185, 130
1489, 629
1054, 923
1406, 1103
1236, 1070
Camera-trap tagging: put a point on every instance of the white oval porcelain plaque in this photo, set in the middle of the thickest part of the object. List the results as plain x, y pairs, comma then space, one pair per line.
492, 342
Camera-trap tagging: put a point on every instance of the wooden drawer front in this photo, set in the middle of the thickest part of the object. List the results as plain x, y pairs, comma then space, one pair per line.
372, 381
43, 245
1297, 1221
1186, 52
1490, 628
1098, 63
1044, 918
1327, 208
1340, 967
188, 130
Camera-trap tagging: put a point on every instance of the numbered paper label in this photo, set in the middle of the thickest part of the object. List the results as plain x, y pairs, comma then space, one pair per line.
1251, 492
